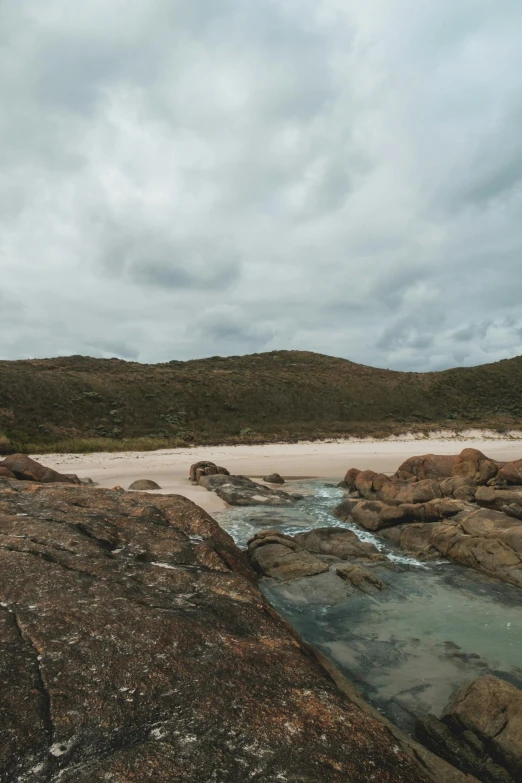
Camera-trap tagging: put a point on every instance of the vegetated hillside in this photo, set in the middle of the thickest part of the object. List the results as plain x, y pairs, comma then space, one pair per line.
79, 403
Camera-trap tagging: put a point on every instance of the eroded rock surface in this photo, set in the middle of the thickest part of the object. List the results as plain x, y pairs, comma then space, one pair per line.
137, 647
242, 491
339, 550
480, 730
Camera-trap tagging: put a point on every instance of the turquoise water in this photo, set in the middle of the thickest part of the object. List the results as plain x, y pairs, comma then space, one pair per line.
409, 648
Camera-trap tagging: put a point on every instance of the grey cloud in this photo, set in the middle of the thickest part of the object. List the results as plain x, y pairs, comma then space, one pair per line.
185, 179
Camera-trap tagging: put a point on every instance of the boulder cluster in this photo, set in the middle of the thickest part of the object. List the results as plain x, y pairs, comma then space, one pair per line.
451, 506
282, 557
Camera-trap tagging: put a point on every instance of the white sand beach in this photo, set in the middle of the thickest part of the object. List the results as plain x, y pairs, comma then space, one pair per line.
322, 459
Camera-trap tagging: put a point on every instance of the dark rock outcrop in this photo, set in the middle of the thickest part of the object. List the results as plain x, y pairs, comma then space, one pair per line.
137, 647
144, 485
26, 469
6, 473
242, 491
274, 478
480, 730
205, 468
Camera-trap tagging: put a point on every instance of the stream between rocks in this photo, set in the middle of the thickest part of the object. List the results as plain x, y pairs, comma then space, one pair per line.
409, 648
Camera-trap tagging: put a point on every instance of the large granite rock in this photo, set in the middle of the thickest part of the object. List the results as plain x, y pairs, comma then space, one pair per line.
27, 469
338, 542
511, 472
137, 647
470, 463
374, 515
506, 501
427, 466
473, 464
480, 730
397, 493
368, 483
242, 491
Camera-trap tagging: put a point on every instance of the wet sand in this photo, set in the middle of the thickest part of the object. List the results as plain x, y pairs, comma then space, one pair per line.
327, 459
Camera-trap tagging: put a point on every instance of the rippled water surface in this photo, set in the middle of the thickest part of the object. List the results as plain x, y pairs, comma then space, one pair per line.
435, 627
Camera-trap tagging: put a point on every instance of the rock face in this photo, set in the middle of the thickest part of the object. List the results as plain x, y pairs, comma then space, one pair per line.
242, 491
144, 485
137, 647
480, 731
6, 473
27, 469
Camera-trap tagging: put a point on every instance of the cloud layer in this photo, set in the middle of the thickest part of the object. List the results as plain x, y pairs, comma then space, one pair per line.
180, 179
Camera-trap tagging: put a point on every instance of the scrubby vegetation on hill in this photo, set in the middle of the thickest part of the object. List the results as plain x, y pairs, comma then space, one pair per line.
82, 404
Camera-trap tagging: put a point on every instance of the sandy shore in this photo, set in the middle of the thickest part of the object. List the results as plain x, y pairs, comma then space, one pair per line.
329, 460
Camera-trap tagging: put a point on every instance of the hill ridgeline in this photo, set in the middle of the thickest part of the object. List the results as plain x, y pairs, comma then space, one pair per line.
82, 404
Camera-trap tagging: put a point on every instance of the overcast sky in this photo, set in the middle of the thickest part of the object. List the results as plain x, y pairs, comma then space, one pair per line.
181, 179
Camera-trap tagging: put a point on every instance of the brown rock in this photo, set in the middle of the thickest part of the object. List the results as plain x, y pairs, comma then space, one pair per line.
428, 466
473, 464
508, 502
144, 485
137, 647
205, 468
359, 577
6, 473
274, 478
492, 710
511, 472
27, 469
368, 483
349, 480
450, 486
409, 492
339, 542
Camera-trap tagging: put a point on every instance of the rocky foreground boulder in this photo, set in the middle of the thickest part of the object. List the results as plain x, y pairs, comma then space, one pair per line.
480, 730
137, 647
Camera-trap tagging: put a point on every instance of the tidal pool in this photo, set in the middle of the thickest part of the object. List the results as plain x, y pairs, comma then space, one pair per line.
410, 647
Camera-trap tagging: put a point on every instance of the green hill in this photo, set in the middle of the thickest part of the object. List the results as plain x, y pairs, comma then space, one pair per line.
79, 403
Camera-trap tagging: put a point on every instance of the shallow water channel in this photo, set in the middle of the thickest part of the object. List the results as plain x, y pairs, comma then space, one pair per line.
408, 648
